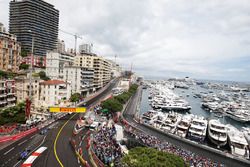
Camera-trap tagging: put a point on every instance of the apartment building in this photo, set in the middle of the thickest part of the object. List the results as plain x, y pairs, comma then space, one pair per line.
54, 93
116, 70
23, 88
55, 63
102, 69
81, 79
34, 19
36, 61
101, 66
7, 93
10, 51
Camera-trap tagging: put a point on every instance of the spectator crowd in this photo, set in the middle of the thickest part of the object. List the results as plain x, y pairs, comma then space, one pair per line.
105, 146
191, 158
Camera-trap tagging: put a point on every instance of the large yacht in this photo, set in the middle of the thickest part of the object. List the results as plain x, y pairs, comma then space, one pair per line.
198, 129
159, 119
171, 122
237, 142
182, 127
176, 105
238, 115
148, 117
217, 132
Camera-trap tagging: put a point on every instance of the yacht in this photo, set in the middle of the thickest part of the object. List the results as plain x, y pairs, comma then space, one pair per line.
149, 116
182, 127
246, 132
238, 115
171, 122
198, 129
159, 119
217, 132
176, 105
237, 142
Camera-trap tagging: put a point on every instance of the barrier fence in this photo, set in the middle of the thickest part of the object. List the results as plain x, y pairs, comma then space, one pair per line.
17, 136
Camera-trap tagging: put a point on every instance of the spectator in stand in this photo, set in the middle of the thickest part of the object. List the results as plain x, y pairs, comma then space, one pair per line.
193, 159
105, 146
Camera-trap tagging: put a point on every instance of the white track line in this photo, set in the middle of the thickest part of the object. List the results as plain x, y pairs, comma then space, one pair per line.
9, 151
22, 142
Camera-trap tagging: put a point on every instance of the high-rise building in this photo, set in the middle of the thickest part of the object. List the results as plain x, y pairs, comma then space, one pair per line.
85, 48
10, 51
35, 19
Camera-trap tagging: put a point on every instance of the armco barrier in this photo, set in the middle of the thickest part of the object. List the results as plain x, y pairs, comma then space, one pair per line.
17, 136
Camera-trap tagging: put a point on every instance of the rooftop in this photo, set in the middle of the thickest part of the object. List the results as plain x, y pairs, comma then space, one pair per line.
53, 82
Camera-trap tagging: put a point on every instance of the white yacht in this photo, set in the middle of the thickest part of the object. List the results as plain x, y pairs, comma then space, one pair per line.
182, 127
171, 122
246, 132
237, 142
217, 132
148, 117
198, 129
238, 115
176, 105
159, 119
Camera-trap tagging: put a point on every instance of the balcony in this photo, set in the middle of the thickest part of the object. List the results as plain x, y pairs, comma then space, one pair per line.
10, 93
11, 99
3, 95
3, 102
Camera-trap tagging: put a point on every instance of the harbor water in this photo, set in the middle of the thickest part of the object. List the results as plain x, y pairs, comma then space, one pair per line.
194, 102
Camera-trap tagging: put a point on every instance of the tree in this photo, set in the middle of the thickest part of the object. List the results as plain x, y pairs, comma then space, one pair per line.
24, 53
14, 114
145, 156
43, 76
75, 97
24, 67
41, 61
112, 105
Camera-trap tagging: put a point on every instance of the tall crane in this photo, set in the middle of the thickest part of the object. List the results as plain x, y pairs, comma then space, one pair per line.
75, 35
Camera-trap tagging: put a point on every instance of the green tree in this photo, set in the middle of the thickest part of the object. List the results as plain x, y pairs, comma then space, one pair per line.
14, 114
112, 105
43, 76
75, 97
41, 61
145, 156
24, 53
24, 67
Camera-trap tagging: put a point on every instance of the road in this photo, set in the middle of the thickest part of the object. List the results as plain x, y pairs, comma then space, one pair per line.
65, 155
230, 161
59, 152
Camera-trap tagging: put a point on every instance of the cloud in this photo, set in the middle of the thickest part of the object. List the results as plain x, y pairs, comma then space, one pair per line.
202, 39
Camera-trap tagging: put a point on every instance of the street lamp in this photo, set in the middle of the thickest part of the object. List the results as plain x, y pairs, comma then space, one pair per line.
31, 65
28, 100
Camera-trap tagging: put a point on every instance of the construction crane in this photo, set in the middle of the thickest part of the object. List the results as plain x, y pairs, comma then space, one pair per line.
75, 35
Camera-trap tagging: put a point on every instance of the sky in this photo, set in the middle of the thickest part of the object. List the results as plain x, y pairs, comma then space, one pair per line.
208, 39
